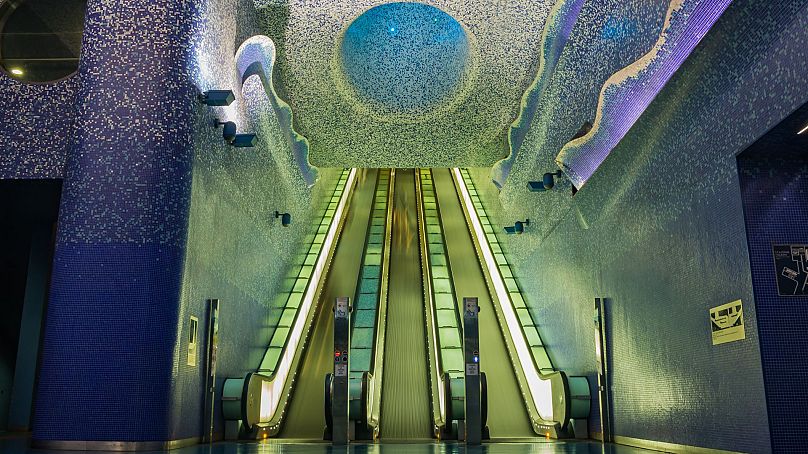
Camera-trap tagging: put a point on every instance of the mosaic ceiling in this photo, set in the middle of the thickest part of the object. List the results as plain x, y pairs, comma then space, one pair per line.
522, 85
375, 83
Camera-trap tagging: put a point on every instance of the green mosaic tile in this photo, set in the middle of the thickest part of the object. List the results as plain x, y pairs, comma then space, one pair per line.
371, 271
369, 286
532, 336
360, 359
367, 301
446, 318
364, 318
294, 300
440, 272
287, 317
452, 359
442, 285
279, 338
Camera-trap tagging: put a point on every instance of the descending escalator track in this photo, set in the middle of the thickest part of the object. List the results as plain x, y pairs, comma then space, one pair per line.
405, 406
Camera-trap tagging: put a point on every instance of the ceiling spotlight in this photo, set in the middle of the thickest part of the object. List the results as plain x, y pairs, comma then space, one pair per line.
217, 98
286, 218
547, 182
518, 227
17, 71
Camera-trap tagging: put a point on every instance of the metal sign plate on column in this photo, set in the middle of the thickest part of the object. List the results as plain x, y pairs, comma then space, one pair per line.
339, 386
471, 347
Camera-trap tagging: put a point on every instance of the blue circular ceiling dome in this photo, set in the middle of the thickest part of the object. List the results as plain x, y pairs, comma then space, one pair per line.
407, 57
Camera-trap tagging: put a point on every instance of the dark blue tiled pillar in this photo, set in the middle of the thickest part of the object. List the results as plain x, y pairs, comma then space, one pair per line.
111, 324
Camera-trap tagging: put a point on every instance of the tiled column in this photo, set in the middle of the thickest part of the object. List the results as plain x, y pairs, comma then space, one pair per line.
108, 349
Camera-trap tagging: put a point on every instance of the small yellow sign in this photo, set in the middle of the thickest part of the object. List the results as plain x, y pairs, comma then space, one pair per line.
727, 323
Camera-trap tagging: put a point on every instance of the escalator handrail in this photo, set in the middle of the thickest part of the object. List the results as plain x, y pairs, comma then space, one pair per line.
437, 386
374, 415
270, 373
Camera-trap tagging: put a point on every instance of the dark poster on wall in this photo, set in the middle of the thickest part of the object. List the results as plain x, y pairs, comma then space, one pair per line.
791, 267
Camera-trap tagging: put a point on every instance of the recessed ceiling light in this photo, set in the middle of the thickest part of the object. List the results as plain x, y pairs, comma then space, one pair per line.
17, 71
805, 129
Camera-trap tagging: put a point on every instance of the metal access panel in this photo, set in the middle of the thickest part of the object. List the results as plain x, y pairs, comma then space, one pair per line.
471, 346
339, 386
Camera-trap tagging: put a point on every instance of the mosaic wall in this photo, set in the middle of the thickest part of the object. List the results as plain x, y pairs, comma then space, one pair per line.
237, 250
628, 92
494, 61
616, 33
158, 214
659, 230
37, 124
774, 186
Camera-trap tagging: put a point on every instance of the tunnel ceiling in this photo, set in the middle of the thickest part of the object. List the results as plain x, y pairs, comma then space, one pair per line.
389, 84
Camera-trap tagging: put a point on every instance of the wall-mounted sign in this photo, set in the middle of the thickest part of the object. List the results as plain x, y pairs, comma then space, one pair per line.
727, 323
791, 267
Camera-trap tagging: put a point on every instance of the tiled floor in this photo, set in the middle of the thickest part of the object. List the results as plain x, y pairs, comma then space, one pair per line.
21, 446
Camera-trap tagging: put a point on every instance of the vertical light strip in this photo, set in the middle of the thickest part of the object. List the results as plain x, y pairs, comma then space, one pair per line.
541, 391
271, 392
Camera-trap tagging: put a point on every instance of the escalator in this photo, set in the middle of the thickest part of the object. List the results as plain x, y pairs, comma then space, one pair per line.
306, 418
405, 406
407, 246
507, 417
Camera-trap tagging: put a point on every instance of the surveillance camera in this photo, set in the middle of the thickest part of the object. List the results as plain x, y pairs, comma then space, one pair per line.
518, 227
547, 182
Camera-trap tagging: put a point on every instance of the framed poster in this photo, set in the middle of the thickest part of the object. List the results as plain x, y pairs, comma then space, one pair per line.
791, 268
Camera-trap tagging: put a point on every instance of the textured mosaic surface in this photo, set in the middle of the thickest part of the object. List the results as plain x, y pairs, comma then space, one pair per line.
774, 185
629, 92
37, 121
467, 128
615, 33
159, 214
659, 230
122, 229
404, 58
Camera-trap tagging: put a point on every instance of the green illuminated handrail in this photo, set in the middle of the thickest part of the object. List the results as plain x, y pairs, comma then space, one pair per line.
375, 384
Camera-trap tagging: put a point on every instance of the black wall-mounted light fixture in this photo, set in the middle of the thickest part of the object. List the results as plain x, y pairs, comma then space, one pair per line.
229, 131
547, 182
518, 227
230, 135
286, 218
244, 141
217, 98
